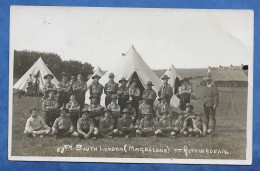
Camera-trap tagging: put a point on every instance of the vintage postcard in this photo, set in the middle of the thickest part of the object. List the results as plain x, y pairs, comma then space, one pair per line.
131, 85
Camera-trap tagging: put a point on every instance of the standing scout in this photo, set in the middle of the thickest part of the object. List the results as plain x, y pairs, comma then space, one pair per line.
63, 90
122, 93
211, 99
146, 126
125, 124
35, 125
74, 110
85, 127
106, 126
50, 108
150, 93
163, 108
96, 110
48, 85
134, 94
166, 89
184, 92
115, 109
96, 89
80, 87
111, 88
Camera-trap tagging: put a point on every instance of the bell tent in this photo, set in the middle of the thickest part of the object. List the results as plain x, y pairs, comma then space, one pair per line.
173, 74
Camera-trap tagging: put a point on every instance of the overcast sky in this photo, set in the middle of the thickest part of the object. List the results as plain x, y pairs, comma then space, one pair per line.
185, 38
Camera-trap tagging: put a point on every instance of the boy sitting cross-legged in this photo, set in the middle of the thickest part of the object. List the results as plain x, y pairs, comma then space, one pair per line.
125, 124
106, 126
164, 126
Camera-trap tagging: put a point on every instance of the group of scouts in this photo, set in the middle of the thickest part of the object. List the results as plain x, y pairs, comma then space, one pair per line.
127, 111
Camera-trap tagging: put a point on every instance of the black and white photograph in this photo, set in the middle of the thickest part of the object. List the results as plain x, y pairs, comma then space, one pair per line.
131, 85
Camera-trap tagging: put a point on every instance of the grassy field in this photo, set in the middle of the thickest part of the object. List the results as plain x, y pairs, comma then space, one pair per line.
230, 135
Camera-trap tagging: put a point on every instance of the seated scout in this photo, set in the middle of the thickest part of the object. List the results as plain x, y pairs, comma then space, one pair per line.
189, 115
35, 125
115, 109
199, 126
132, 111
48, 85
178, 126
146, 127
50, 108
106, 126
144, 107
164, 126
125, 124
74, 110
96, 110
85, 127
163, 108
63, 126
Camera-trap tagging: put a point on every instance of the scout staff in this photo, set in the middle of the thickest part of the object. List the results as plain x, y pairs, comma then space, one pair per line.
96, 89
96, 110
115, 109
166, 89
211, 99
122, 93
144, 107
85, 127
106, 126
35, 125
146, 127
80, 87
164, 126
184, 92
63, 126
50, 107
48, 85
111, 88
125, 124
134, 94
163, 108
74, 110
199, 126
132, 111
150, 93
63, 90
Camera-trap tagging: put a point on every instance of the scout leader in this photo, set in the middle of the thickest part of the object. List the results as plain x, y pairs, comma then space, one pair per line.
96, 89
74, 109
50, 108
96, 110
125, 124
48, 85
150, 93
184, 92
79, 88
35, 125
146, 127
115, 109
106, 126
111, 88
122, 93
166, 89
63, 90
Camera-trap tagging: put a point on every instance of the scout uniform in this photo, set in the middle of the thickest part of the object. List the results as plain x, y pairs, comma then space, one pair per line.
211, 99
134, 94
85, 126
184, 92
164, 126
146, 126
79, 87
36, 126
166, 90
74, 111
111, 88
115, 110
62, 127
96, 89
144, 107
48, 85
49, 108
132, 111
106, 125
122, 93
199, 126
150, 93
63, 90
178, 125
189, 115
163, 108
125, 124
96, 111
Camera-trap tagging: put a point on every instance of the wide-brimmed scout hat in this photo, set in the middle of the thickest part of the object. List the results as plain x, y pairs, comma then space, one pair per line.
86, 111
107, 110
165, 77
149, 83
95, 76
33, 109
114, 96
48, 91
111, 75
129, 102
122, 79
45, 77
162, 97
125, 111
189, 105
63, 74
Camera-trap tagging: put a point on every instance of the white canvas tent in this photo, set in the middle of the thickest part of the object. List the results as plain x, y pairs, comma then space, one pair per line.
39, 65
173, 74
131, 63
97, 71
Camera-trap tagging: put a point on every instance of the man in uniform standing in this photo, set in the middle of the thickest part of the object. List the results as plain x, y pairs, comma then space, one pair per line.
211, 99
96, 89
166, 89
63, 90
122, 93
111, 88
79, 88
150, 93
184, 92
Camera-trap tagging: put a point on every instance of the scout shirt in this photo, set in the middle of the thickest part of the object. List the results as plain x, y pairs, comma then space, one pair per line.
132, 112
146, 125
189, 114
211, 96
111, 87
115, 109
48, 86
79, 86
34, 124
63, 123
134, 91
85, 125
63, 86
124, 123
185, 89
163, 108
165, 90
106, 124
49, 105
179, 123
144, 108
150, 93
96, 89
164, 124
73, 105
95, 109
124, 91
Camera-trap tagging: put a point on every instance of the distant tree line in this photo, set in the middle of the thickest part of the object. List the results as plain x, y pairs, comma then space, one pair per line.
23, 60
